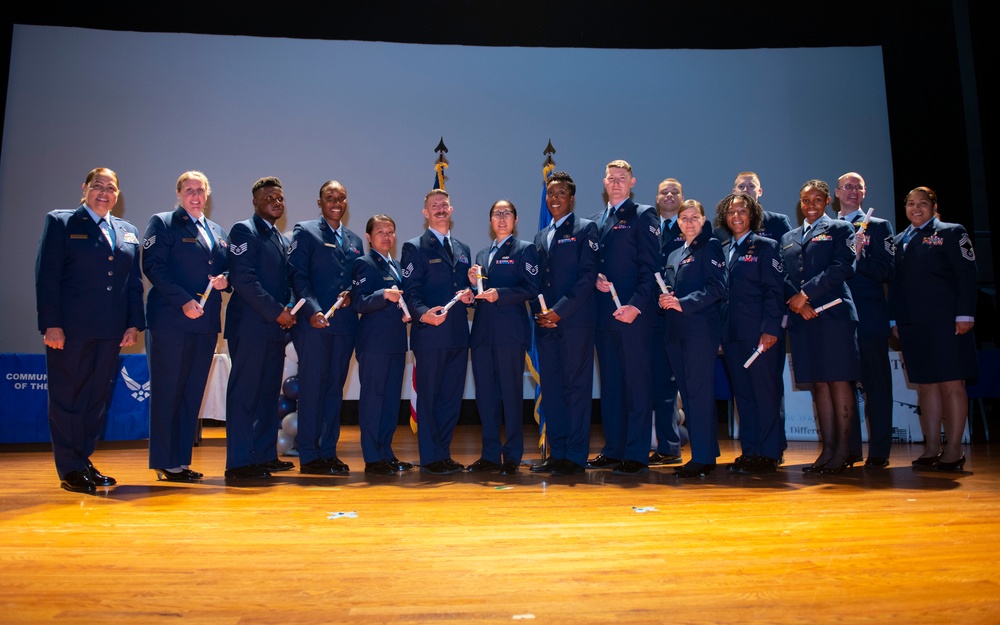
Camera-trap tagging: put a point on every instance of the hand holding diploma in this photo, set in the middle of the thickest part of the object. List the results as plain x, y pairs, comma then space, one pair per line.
476, 276
546, 318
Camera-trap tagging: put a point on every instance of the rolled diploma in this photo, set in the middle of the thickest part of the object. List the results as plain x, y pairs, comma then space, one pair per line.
868, 216
614, 295
336, 305
208, 291
453, 301
830, 305
753, 356
541, 302
479, 283
660, 282
402, 305
299, 304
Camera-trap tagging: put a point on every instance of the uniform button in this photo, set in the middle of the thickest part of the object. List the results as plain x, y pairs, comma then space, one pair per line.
109, 288
111, 257
111, 273
210, 262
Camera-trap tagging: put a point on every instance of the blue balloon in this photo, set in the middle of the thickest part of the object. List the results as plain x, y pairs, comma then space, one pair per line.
290, 388
285, 406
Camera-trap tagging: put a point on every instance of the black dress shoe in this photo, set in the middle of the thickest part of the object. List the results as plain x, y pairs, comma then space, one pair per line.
78, 482
656, 459
925, 463
399, 465
950, 467
602, 462
630, 467
248, 472
439, 467
739, 464
874, 462
194, 475
546, 466
693, 469
382, 467
759, 464
97, 478
509, 467
317, 467
567, 467
454, 465
483, 466
276, 465
339, 467
173, 476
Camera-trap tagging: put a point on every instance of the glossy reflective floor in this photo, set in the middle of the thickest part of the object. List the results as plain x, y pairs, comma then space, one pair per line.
894, 546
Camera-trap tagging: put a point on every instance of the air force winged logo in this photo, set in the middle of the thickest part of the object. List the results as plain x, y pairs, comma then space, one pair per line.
532, 269
148, 243
408, 270
966, 244
594, 245
237, 250
139, 391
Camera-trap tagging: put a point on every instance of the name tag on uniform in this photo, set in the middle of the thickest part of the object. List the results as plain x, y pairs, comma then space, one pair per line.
189, 240
388, 279
78, 236
433, 260
330, 244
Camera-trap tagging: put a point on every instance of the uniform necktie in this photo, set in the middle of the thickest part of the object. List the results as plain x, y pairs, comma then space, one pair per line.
206, 235
394, 270
493, 250
732, 249
805, 233
912, 232
551, 235
109, 232
447, 249
340, 239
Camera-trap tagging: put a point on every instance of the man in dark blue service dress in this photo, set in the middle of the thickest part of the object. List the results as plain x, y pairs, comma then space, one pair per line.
256, 321
436, 278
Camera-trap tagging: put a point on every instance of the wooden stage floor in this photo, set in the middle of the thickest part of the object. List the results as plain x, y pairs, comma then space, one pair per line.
897, 546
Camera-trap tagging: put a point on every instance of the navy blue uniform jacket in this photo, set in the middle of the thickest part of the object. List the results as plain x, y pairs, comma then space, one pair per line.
80, 285
698, 275
258, 272
756, 286
177, 263
429, 280
514, 274
319, 270
629, 256
381, 328
820, 267
874, 269
568, 271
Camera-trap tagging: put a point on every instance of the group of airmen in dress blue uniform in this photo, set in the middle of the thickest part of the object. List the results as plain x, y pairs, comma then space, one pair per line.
653, 290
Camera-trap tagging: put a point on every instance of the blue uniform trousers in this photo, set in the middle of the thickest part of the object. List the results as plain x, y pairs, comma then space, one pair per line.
566, 370
381, 377
252, 401
757, 392
624, 355
499, 374
324, 360
440, 382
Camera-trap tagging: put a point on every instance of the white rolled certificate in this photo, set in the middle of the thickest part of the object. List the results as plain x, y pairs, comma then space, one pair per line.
541, 302
829, 305
208, 291
660, 282
298, 305
753, 356
402, 304
336, 305
479, 283
614, 295
454, 300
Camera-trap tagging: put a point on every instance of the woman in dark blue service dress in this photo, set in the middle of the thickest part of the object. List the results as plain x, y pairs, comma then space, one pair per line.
381, 345
697, 272
933, 301
499, 338
184, 259
751, 321
819, 257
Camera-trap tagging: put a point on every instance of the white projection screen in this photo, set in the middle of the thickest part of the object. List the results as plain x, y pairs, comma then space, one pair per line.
369, 114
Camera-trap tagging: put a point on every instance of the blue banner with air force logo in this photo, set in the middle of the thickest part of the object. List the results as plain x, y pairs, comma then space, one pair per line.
24, 398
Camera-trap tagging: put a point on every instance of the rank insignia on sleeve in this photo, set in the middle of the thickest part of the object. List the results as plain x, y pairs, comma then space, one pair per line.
408, 270
966, 244
532, 269
777, 265
148, 243
239, 249
295, 244
890, 246
594, 246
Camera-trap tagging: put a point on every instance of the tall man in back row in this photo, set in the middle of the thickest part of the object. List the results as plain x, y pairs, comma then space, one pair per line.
875, 268
629, 238
436, 270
